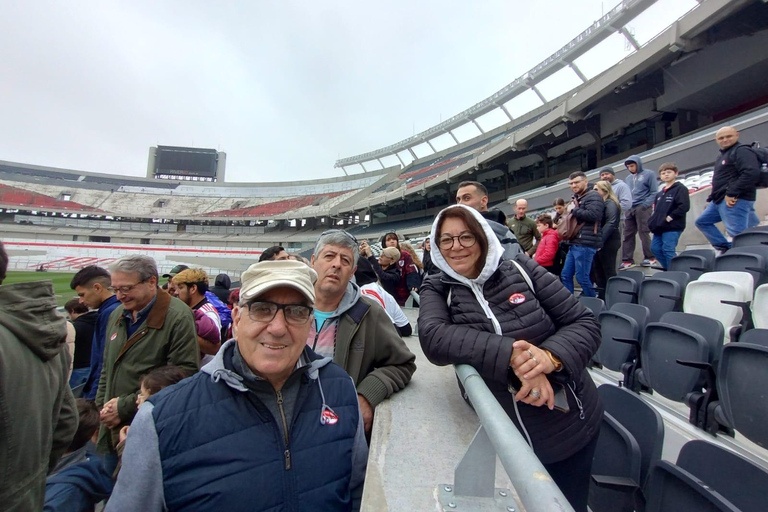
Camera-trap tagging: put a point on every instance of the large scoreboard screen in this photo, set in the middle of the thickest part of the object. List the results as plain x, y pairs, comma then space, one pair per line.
177, 161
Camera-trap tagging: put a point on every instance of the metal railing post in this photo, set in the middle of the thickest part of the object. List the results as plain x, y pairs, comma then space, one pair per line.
536, 489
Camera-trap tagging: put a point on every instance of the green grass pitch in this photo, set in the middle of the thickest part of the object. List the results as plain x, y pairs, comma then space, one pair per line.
60, 282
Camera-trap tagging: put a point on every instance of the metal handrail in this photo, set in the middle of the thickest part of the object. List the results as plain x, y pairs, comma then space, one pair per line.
535, 487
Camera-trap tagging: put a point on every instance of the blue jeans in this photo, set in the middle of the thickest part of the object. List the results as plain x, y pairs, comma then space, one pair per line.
579, 262
663, 246
79, 376
736, 219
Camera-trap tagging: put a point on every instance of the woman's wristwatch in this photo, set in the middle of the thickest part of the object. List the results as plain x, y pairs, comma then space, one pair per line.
555, 361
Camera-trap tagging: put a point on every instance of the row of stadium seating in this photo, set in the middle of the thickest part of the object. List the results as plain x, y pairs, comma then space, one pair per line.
16, 197
628, 472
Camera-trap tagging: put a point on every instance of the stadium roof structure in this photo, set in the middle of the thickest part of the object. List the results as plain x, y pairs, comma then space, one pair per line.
612, 24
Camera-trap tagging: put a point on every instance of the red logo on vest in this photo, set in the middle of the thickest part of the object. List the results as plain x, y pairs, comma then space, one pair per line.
328, 417
517, 298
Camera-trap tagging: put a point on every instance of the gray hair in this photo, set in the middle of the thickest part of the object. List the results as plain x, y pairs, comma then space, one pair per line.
137, 263
340, 238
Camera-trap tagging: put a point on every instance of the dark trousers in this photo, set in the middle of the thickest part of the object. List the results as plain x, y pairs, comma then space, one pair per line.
636, 222
573, 475
604, 265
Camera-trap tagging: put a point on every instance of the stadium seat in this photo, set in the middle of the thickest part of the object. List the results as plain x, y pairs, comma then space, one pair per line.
738, 479
594, 304
755, 337
708, 296
695, 262
742, 380
622, 329
615, 469
623, 287
750, 238
671, 488
746, 259
663, 345
663, 292
760, 307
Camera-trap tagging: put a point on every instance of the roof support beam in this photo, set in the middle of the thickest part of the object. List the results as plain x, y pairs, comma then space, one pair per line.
380, 162
449, 132
430, 145
344, 171
578, 72
538, 93
629, 37
504, 109
410, 150
363, 166
474, 122
401, 160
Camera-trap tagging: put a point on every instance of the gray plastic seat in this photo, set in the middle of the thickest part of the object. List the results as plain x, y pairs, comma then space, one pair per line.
623, 287
738, 479
755, 337
671, 488
622, 330
663, 292
753, 260
695, 262
615, 469
750, 238
742, 379
595, 305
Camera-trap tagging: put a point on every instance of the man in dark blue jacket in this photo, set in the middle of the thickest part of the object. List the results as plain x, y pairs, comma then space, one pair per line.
267, 425
94, 287
588, 207
734, 190
643, 186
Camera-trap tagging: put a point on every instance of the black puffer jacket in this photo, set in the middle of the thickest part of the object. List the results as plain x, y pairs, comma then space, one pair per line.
552, 319
389, 278
589, 211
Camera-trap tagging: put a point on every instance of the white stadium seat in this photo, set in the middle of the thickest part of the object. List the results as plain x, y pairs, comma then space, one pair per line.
703, 296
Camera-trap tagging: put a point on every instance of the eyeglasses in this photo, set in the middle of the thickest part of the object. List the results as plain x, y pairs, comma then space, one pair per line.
466, 240
126, 289
334, 231
295, 314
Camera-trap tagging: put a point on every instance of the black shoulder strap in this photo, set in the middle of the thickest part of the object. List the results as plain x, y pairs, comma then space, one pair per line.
358, 311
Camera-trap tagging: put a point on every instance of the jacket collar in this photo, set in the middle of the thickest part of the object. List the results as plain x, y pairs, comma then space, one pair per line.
159, 311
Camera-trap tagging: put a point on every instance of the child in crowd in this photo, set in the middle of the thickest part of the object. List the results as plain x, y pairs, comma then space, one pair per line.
150, 384
546, 251
80, 480
668, 219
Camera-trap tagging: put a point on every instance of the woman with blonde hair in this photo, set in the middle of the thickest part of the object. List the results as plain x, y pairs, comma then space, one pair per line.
604, 264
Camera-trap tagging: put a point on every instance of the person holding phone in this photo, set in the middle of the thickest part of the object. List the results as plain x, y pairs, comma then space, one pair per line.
525, 334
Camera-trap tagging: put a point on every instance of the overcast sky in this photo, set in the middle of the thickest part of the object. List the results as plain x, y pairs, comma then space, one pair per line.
284, 87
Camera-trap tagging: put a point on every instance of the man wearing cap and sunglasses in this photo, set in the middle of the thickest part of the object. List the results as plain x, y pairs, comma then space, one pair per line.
267, 425
353, 329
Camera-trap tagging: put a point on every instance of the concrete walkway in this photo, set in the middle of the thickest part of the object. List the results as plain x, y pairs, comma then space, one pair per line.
419, 436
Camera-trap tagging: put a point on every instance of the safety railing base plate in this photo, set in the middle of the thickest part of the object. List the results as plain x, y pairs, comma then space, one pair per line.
502, 501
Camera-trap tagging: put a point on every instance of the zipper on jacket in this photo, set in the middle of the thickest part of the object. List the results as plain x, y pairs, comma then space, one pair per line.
578, 400
287, 452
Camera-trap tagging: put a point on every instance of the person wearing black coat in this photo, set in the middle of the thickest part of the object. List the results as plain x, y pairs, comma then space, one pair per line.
604, 265
389, 277
587, 207
537, 338
221, 287
426, 260
667, 222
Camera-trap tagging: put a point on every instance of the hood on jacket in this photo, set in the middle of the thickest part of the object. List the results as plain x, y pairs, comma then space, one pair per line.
28, 311
223, 280
495, 250
637, 160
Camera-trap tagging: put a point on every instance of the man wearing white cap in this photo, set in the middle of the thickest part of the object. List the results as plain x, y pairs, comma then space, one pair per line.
267, 425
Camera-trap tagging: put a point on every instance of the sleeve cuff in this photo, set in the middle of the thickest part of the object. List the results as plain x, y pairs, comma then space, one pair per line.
373, 389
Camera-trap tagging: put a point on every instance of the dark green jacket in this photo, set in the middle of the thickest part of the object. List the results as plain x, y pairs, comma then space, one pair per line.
38, 417
525, 231
166, 337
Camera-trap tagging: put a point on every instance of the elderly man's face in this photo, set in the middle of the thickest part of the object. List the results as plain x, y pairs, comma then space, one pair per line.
520, 209
271, 348
132, 292
334, 266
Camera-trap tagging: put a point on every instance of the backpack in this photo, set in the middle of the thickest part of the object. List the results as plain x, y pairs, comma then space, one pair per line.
762, 158
224, 313
569, 226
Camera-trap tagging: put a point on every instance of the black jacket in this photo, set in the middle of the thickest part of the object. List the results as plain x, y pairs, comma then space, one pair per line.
390, 278
611, 222
672, 202
84, 325
590, 212
549, 317
736, 173
221, 287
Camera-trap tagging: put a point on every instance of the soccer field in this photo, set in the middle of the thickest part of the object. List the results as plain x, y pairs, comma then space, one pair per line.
60, 282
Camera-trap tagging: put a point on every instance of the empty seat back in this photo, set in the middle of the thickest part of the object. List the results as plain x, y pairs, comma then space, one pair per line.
693, 264
739, 480
621, 289
594, 304
750, 238
663, 292
755, 337
616, 326
617, 456
754, 264
760, 307
709, 328
671, 488
702, 297
663, 345
742, 382
643, 421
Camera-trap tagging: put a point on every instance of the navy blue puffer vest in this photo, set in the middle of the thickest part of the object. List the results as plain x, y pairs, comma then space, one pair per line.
221, 449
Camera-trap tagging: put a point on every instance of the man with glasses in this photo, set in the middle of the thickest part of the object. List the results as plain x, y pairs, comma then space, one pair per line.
352, 329
267, 425
93, 286
149, 329
587, 207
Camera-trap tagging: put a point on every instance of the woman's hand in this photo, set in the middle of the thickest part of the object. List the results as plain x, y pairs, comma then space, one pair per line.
529, 361
123, 433
537, 392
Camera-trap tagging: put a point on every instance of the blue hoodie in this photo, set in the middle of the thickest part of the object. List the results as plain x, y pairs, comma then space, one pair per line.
78, 487
643, 185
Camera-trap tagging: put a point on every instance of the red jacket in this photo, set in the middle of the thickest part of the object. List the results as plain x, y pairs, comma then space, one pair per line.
547, 247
